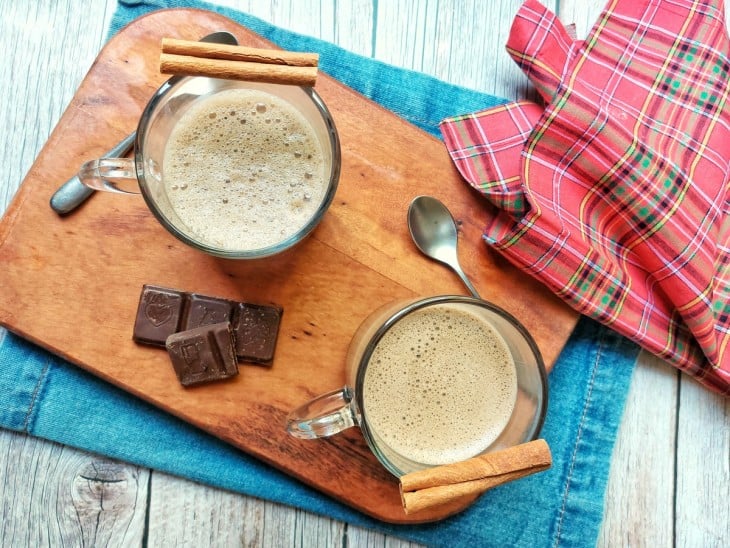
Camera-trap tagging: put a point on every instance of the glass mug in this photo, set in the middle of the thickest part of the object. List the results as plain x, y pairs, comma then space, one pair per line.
434, 380
145, 173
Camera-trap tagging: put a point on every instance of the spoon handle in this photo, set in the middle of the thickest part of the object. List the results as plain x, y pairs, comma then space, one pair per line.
73, 192
467, 283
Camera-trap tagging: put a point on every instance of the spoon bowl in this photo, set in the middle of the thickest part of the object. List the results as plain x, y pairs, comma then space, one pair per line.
434, 232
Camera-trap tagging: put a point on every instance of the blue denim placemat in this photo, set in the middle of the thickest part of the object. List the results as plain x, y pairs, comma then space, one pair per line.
42, 395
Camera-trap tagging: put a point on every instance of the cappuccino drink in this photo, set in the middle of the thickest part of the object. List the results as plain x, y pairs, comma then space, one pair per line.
244, 170
440, 386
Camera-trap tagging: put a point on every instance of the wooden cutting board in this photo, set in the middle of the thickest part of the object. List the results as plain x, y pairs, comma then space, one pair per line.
72, 284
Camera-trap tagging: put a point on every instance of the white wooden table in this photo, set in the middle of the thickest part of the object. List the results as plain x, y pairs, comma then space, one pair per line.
670, 476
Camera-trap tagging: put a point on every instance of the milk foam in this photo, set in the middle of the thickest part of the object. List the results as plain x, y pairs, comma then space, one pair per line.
244, 170
440, 386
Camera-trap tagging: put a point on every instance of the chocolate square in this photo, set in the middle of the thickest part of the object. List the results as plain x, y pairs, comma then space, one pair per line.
203, 354
158, 314
256, 328
204, 310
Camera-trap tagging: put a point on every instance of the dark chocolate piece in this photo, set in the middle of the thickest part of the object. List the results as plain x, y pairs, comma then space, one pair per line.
203, 354
158, 314
204, 310
256, 328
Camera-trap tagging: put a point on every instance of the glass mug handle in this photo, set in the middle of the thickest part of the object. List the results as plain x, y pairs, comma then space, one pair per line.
110, 174
323, 416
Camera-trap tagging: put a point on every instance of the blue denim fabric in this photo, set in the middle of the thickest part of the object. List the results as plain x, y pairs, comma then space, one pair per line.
44, 396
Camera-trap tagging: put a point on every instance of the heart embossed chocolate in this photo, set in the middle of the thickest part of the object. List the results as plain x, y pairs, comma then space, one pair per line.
159, 309
158, 314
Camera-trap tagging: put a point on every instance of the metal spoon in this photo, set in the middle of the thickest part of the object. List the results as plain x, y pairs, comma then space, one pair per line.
434, 232
73, 192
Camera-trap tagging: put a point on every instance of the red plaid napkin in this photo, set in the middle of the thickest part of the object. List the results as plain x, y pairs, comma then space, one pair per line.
615, 195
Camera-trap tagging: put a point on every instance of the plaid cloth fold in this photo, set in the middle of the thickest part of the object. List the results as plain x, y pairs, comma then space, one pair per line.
615, 195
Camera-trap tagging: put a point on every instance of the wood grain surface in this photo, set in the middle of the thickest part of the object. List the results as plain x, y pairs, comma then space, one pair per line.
360, 257
669, 479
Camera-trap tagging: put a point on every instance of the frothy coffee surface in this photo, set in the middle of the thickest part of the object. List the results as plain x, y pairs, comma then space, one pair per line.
244, 170
440, 386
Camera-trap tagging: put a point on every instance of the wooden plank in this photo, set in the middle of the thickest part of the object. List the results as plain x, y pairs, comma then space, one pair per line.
38, 36
703, 467
643, 477
57, 496
459, 42
359, 537
184, 513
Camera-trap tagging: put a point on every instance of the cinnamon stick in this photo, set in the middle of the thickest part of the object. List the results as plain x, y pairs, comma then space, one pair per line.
444, 484
237, 70
230, 52
190, 58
